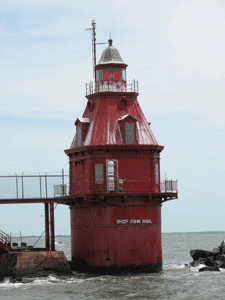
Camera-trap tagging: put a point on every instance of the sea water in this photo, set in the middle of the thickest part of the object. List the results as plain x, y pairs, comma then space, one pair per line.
176, 281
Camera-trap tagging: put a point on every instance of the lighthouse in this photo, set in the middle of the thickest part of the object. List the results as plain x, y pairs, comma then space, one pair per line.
115, 181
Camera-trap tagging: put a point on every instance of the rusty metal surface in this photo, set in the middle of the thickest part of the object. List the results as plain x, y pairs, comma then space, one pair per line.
28, 263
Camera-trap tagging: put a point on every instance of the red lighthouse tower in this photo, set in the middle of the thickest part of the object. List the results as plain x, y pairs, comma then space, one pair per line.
115, 178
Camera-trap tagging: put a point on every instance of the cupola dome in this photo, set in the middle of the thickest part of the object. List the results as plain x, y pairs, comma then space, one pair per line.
110, 55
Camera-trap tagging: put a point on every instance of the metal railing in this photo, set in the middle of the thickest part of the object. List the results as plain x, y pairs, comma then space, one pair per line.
54, 186
169, 186
119, 185
33, 186
112, 86
60, 190
5, 239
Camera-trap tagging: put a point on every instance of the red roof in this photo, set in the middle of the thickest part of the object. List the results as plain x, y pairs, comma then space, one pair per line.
105, 115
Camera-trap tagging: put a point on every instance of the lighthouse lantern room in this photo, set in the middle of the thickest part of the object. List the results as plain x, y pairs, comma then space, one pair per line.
115, 178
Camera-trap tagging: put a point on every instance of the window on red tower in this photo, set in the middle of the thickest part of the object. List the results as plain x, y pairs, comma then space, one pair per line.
129, 133
157, 173
111, 74
127, 128
106, 75
79, 135
117, 75
82, 126
99, 174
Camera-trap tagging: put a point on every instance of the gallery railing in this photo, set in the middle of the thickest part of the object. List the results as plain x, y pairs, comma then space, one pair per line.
112, 86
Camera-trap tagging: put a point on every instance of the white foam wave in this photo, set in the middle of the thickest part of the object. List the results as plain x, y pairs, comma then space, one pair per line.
222, 270
174, 267
40, 281
197, 268
51, 280
8, 284
178, 267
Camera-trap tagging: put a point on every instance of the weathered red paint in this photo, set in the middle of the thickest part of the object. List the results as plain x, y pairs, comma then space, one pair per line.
121, 236
115, 179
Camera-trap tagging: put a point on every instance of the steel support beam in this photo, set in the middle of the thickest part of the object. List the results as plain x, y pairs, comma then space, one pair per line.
47, 245
52, 226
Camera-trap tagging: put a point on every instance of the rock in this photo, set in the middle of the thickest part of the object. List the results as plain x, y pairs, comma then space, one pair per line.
220, 260
222, 247
215, 268
213, 260
216, 250
210, 261
196, 254
193, 264
220, 264
222, 244
201, 261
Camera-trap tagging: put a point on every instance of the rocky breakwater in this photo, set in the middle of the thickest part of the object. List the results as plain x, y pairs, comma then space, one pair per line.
212, 260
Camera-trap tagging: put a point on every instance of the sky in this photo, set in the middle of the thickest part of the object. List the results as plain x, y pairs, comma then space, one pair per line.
175, 49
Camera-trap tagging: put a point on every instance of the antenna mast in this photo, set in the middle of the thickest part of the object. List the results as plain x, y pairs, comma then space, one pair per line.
93, 47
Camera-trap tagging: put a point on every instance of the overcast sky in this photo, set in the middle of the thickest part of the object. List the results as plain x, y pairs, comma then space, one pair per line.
175, 48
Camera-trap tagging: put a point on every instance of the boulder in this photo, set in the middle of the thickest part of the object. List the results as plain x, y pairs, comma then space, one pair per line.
196, 254
213, 260
209, 269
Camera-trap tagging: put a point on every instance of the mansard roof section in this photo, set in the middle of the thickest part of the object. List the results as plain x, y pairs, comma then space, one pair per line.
101, 123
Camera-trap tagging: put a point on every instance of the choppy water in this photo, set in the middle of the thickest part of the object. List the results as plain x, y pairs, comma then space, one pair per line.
174, 282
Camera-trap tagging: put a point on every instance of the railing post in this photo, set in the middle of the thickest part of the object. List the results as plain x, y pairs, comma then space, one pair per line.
63, 189
46, 186
17, 192
40, 186
22, 186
